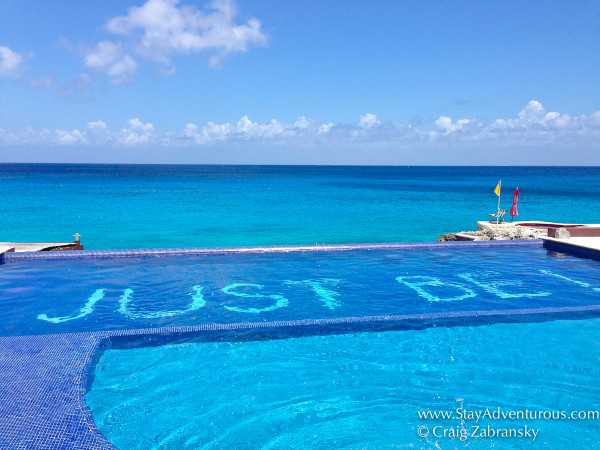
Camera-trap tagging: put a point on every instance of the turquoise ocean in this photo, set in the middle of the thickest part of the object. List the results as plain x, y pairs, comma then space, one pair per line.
159, 206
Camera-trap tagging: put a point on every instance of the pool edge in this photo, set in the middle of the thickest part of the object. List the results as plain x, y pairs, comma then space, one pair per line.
150, 252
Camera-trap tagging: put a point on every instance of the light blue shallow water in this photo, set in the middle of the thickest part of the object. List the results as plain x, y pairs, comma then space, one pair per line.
354, 391
128, 206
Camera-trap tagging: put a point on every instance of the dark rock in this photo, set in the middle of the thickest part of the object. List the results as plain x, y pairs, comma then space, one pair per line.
447, 237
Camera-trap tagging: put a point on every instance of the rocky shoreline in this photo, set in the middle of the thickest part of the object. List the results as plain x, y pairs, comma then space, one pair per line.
493, 232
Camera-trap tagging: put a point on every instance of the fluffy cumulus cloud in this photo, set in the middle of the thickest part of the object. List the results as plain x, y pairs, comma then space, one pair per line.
325, 128
212, 132
532, 126
31, 137
534, 116
247, 128
66, 137
137, 133
445, 125
368, 121
10, 62
112, 59
159, 29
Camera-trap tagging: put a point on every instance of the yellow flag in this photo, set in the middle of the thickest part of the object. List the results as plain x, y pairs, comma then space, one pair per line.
497, 190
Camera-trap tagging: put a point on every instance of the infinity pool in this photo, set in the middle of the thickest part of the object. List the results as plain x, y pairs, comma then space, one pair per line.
278, 348
64, 296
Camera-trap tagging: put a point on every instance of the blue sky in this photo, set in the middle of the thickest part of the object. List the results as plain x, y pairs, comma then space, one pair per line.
289, 82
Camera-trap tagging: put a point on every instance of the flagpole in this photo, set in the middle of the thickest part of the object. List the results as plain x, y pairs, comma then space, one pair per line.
499, 192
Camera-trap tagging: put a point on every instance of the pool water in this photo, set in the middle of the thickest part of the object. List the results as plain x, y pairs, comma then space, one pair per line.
60, 296
352, 391
280, 348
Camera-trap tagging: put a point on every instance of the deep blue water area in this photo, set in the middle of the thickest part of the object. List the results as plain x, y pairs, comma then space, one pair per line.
154, 206
60, 296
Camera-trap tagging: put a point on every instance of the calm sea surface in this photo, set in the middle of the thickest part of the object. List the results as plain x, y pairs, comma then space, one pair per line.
137, 206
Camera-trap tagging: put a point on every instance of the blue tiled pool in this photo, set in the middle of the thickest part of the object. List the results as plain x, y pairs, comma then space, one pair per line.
353, 390
62, 311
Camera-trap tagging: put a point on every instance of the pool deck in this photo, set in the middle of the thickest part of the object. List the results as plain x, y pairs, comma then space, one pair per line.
583, 246
578, 243
44, 378
534, 223
20, 247
6, 247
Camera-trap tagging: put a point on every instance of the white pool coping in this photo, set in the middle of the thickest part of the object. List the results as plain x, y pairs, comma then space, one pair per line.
591, 243
30, 246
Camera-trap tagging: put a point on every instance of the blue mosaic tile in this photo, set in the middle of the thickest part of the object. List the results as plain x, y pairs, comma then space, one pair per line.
42, 392
101, 254
44, 378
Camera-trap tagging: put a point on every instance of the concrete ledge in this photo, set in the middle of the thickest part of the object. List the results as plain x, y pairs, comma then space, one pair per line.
586, 247
578, 231
40, 246
542, 224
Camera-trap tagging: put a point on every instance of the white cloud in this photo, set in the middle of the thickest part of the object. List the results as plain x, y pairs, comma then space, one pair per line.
214, 132
166, 28
535, 115
302, 123
446, 126
532, 127
45, 137
191, 132
9, 62
532, 113
368, 121
65, 137
137, 133
99, 133
211, 132
247, 128
160, 28
324, 128
111, 58
98, 126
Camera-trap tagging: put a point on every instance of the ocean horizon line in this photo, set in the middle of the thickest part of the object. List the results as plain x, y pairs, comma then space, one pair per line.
287, 165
